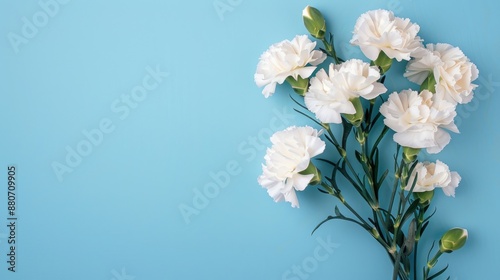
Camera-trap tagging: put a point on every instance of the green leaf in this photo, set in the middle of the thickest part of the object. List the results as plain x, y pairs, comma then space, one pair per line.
330, 140
430, 250
410, 239
382, 178
438, 273
358, 156
323, 191
410, 211
327, 161
324, 221
337, 212
347, 128
328, 189
379, 138
400, 238
406, 264
424, 226
374, 162
428, 218
298, 103
309, 117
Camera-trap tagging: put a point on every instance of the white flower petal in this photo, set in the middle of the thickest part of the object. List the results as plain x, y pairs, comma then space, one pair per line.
442, 138
292, 198
449, 190
301, 181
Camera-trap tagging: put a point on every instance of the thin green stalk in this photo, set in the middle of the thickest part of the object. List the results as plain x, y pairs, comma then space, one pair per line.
330, 49
393, 195
375, 234
415, 255
397, 261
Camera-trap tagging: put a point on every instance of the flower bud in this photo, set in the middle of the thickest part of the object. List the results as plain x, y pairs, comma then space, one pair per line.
453, 240
314, 22
311, 169
356, 118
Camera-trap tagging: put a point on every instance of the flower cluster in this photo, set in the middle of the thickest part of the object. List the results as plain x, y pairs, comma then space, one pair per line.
352, 93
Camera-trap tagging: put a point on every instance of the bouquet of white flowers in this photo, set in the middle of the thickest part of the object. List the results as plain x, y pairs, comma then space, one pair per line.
352, 93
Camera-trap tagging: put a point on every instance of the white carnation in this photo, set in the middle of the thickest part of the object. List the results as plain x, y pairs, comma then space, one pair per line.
290, 154
380, 30
419, 120
285, 59
433, 175
452, 70
329, 94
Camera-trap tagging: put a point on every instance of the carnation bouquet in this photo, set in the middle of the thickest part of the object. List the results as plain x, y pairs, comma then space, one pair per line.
352, 112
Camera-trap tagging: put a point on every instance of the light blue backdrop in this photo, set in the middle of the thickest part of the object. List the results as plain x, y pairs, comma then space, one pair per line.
119, 115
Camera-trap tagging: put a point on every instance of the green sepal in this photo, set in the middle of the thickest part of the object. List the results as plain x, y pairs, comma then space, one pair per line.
429, 83
311, 169
356, 118
424, 197
383, 62
299, 85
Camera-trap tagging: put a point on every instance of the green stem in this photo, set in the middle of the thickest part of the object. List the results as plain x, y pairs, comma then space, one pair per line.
418, 232
373, 231
415, 253
431, 264
397, 262
330, 49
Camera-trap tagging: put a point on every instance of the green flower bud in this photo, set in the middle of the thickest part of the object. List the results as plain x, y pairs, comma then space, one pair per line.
314, 22
453, 240
300, 86
356, 118
311, 169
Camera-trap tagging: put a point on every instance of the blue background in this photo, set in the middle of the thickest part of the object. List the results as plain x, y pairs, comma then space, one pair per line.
116, 214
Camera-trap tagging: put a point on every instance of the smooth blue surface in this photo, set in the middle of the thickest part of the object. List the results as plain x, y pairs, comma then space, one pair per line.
117, 214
